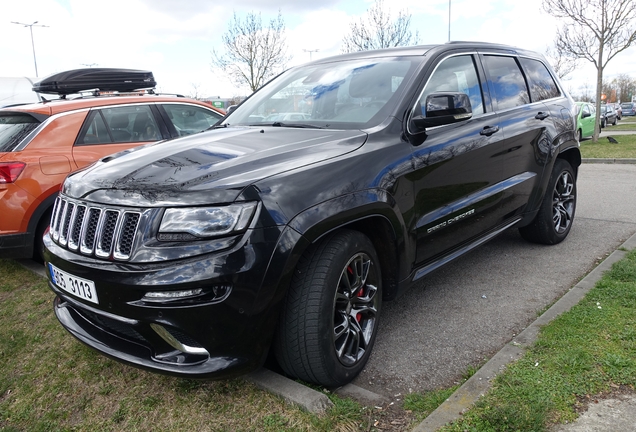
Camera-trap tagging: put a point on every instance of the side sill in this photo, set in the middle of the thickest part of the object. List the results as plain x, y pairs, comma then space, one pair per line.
461, 251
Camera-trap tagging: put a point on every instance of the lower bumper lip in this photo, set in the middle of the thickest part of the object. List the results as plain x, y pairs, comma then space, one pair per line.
135, 353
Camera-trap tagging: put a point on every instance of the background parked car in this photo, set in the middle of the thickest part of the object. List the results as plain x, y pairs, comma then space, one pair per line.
608, 115
585, 116
619, 110
629, 108
41, 143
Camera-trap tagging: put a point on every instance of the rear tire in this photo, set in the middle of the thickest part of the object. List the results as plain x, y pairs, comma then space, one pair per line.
331, 313
556, 214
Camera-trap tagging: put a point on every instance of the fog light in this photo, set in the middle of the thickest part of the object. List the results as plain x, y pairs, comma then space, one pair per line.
167, 296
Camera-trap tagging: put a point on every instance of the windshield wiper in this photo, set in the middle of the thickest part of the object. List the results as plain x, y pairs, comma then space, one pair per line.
296, 125
220, 126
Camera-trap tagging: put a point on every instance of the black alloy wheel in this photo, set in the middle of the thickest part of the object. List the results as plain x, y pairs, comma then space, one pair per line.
356, 306
330, 316
563, 201
556, 214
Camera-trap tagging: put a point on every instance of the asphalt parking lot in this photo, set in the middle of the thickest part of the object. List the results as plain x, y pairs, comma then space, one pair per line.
467, 311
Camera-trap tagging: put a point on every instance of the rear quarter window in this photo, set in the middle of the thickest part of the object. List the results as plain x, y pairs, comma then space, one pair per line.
506, 81
14, 128
541, 83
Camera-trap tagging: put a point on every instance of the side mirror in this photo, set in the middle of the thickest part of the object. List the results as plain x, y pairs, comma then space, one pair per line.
230, 109
444, 108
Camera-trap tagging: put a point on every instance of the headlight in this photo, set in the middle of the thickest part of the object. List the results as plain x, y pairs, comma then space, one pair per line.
179, 224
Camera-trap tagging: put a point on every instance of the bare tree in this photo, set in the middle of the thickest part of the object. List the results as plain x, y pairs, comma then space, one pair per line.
595, 30
194, 93
562, 63
625, 86
377, 29
253, 54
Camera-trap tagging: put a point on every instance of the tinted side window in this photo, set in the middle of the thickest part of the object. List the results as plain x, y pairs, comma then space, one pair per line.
542, 85
94, 130
188, 119
456, 74
120, 124
506, 82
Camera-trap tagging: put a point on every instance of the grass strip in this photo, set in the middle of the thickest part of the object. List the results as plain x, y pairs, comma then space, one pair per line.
51, 382
587, 352
603, 149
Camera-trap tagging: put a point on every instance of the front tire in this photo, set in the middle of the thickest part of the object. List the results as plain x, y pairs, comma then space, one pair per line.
556, 214
331, 313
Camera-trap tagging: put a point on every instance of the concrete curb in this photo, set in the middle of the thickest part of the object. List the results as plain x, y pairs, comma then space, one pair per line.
609, 161
464, 397
293, 392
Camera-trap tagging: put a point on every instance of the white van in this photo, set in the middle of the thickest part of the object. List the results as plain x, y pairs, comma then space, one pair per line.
17, 91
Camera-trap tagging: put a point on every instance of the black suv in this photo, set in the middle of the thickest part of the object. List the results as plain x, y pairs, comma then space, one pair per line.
327, 192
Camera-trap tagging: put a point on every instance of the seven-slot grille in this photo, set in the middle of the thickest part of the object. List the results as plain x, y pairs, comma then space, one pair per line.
94, 230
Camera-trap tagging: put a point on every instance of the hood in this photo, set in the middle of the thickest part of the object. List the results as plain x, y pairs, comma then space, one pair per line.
209, 167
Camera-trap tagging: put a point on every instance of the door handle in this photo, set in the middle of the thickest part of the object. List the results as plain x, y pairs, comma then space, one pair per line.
542, 115
489, 130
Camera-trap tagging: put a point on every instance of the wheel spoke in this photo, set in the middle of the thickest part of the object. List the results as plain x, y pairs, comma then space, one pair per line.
563, 202
340, 327
355, 309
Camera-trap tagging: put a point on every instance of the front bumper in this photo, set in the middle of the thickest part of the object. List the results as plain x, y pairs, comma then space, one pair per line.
205, 336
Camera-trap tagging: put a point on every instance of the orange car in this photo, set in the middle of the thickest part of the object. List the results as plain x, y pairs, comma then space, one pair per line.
40, 144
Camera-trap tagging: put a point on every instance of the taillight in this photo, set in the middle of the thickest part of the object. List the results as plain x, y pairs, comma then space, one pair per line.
9, 171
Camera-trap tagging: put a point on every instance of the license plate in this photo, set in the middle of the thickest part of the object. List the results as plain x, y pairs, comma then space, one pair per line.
77, 286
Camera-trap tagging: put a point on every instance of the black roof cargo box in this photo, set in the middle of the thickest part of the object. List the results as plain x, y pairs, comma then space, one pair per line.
104, 79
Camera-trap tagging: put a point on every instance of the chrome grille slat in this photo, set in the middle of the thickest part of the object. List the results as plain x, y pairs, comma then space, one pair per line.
106, 233
76, 227
94, 230
69, 211
89, 231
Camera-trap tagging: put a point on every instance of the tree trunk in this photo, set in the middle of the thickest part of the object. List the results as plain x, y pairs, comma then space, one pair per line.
599, 85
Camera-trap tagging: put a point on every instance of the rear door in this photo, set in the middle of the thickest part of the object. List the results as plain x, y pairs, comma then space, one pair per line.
112, 129
527, 128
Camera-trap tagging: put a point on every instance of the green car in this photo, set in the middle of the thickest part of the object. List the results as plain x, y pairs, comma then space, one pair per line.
585, 115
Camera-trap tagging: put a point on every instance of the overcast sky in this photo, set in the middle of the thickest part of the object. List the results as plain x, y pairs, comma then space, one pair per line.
174, 38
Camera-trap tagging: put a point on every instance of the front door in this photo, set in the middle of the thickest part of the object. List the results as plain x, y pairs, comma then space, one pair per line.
457, 169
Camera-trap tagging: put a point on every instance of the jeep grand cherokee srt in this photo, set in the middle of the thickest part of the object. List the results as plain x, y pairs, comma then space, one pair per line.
197, 257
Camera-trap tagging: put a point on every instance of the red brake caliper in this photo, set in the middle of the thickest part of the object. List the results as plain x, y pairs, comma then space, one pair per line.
358, 294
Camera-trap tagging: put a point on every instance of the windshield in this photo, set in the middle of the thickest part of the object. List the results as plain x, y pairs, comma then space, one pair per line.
352, 94
14, 128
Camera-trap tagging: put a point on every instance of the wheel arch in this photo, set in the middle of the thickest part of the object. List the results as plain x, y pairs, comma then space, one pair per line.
36, 217
373, 213
573, 156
